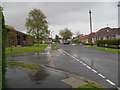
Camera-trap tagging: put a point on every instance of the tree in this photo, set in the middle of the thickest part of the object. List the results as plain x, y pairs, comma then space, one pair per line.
37, 25
56, 38
10, 27
66, 33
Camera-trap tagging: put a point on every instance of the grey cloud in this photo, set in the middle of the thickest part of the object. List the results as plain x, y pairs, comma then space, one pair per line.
63, 14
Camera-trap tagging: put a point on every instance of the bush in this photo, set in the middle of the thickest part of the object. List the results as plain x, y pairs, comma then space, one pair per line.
109, 42
3, 46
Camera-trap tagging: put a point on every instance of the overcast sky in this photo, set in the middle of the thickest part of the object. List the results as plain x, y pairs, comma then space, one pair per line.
60, 15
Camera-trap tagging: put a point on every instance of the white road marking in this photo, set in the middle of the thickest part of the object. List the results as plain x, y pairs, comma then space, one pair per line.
81, 62
61, 51
84, 64
94, 71
110, 82
91, 69
101, 75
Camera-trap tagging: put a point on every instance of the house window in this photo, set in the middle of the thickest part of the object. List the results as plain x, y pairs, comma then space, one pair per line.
24, 38
18, 40
107, 30
18, 37
101, 38
107, 37
104, 38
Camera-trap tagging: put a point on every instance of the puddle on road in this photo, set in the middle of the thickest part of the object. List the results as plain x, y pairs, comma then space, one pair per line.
32, 57
42, 78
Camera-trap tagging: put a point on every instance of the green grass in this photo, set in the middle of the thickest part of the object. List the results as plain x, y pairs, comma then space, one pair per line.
54, 47
79, 45
105, 49
102, 48
21, 49
23, 64
92, 86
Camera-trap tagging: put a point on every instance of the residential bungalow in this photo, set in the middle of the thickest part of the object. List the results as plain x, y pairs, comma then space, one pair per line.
84, 39
103, 34
107, 34
17, 38
49, 40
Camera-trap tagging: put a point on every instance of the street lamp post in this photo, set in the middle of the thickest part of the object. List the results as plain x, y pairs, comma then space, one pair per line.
90, 26
90, 34
90, 21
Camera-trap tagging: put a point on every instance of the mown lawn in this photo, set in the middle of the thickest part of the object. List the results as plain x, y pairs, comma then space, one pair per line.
23, 49
23, 64
54, 47
102, 48
105, 49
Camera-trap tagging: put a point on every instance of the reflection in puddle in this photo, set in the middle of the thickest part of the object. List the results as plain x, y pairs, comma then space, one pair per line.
31, 57
41, 74
26, 78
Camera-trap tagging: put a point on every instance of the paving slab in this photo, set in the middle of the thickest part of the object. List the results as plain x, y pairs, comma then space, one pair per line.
74, 82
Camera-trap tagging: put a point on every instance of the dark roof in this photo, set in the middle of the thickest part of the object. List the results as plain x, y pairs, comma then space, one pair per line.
92, 35
16, 31
107, 32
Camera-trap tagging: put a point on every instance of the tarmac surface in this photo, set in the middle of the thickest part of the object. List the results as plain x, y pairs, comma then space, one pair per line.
66, 59
43, 78
104, 64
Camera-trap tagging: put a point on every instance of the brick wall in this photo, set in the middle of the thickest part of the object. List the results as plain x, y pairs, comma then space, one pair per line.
15, 38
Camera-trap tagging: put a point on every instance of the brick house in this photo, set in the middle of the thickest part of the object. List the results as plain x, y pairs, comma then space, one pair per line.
84, 38
106, 33
17, 38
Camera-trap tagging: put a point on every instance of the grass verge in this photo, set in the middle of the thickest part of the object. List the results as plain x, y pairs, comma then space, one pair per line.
21, 49
91, 86
105, 49
23, 64
102, 48
54, 47
79, 45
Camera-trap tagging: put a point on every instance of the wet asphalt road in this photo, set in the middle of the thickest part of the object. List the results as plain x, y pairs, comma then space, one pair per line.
105, 63
31, 57
43, 78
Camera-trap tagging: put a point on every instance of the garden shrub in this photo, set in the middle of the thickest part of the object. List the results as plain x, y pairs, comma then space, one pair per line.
3, 47
109, 42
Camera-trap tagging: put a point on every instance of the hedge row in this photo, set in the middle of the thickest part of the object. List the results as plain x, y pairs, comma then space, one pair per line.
109, 42
4, 33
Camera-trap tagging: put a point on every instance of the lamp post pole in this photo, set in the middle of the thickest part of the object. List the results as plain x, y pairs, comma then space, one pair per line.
90, 34
90, 26
90, 21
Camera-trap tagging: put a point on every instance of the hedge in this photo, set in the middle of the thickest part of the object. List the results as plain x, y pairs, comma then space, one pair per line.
4, 33
109, 42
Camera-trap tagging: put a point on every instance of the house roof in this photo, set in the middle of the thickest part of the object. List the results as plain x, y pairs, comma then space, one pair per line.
107, 32
91, 35
16, 31
83, 37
